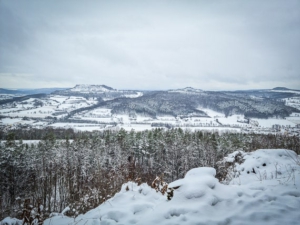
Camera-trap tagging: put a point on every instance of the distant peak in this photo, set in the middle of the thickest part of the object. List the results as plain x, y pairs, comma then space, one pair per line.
91, 88
186, 90
280, 88
191, 89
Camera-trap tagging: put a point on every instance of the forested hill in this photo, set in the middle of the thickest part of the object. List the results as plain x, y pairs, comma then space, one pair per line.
187, 101
176, 102
263, 105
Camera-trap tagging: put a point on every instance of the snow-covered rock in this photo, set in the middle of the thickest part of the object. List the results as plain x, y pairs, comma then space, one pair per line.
199, 198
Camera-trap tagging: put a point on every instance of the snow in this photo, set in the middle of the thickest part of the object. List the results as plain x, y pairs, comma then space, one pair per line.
40, 112
295, 120
212, 113
199, 198
51, 106
136, 127
86, 88
8, 96
11, 221
231, 120
287, 91
259, 166
269, 122
65, 210
136, 95
11, 121
58, 98
78, 126
56, 106
26, 141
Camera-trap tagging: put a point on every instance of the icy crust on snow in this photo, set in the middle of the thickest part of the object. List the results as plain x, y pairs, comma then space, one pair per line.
199, 198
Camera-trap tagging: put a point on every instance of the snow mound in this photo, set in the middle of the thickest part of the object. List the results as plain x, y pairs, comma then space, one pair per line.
11, 221
195, 184
272, 165
199, 198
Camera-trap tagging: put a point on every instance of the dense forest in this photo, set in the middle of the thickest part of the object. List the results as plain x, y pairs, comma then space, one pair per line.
83, 169
159, 103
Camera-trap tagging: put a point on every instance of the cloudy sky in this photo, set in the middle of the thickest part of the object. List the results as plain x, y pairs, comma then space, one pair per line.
211, 45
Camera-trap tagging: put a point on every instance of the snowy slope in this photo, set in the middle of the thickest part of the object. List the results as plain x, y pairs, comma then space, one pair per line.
103, 91
201, 199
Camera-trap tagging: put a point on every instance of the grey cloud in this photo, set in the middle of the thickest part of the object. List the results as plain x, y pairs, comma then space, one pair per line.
151, 45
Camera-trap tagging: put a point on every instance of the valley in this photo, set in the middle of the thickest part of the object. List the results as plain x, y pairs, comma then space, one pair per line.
99, 107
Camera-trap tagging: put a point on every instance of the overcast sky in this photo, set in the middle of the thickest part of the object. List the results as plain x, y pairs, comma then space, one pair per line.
211, 45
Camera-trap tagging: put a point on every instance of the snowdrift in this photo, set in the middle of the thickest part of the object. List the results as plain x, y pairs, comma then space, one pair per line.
263, 187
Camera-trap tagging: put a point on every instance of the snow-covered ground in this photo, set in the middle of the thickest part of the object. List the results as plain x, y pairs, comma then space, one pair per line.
136, 127
79, 126
41, 108
136, 95
263, 188
212, 113
12, 122
29, 142
294, 119
270, 122
8, 96
55, 107
287, 91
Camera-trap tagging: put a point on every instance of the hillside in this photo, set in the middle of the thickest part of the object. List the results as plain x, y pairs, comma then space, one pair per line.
184, 103
100, 91
100, 107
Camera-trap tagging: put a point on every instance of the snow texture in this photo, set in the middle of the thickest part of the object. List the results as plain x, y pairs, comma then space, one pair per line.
270, 196
11, 221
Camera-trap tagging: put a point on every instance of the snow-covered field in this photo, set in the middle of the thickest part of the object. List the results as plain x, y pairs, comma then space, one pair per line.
29, 142
263, 188
136, 127
287, 91
270, 122
41, 108
54, 108
294, 119
8, 96
78, 126
20, 121
212, 113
